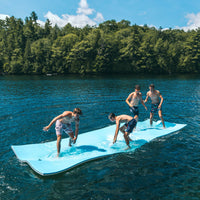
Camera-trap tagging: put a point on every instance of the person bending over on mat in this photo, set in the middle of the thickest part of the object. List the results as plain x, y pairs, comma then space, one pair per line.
126, 129
63, 123
133, 101
156, 103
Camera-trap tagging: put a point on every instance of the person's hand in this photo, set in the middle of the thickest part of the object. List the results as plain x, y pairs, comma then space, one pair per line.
114, 141
46, 128
146, 108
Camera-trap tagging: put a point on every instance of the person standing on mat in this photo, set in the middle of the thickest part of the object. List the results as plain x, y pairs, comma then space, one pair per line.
133, 101
126, 129
156, 104
63, 123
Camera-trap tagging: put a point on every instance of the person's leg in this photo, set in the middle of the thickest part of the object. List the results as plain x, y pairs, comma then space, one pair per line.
122, 129
151, 118
71, 137
136, 117
131, 126
68, 130
161, 117
58, 144
59, 131
129, 137
127, 140
126, 137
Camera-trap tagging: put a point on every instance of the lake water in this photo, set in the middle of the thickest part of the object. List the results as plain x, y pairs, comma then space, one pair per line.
166, 168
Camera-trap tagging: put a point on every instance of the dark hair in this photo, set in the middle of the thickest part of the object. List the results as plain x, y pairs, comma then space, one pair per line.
137, 87
77, 111
151, 85
111, 115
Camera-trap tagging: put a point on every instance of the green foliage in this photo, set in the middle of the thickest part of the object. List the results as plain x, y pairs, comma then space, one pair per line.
112, 47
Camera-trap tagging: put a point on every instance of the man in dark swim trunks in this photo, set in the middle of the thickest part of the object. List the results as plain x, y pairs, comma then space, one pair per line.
133, 101
156, 103
126, 129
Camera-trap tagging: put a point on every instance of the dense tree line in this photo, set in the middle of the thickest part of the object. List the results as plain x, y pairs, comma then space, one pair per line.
112, 47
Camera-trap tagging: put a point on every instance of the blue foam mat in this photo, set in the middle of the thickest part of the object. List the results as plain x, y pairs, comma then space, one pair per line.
91, 145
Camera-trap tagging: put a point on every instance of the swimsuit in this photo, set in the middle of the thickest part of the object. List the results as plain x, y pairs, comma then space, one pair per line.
130, 125
60, 127
134, 110
154, 107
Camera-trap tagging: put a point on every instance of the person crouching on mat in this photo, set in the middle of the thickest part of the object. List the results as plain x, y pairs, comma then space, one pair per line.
126, 129
63, 123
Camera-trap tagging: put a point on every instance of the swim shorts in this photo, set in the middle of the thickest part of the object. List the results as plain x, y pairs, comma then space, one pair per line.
154, 108
60, 127
134, 110
130, 125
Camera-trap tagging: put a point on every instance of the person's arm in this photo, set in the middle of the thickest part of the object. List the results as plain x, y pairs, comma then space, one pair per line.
142, 102
116, 131
128, 98
76, 130
46, 128
161, 100
146, 98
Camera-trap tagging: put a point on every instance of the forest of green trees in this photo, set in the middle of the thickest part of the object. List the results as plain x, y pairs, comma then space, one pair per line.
112, 47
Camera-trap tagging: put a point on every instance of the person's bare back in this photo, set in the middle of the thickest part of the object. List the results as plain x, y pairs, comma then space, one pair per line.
126, 129
123, 119
68, 118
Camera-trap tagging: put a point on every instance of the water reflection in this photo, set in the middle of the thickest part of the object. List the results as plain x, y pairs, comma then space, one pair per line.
161, 169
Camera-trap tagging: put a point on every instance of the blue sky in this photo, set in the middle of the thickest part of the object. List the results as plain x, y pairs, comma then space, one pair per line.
183, 14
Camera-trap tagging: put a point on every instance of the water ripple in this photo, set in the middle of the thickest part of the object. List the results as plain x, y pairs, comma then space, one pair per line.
166, 168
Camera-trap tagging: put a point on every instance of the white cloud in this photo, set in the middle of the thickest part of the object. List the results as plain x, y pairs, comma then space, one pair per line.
193, 22
99, 17
41, 23
55, 19
84, 9
80, 20
3, 17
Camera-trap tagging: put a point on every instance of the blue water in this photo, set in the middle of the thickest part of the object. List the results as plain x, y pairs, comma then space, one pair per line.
166, 168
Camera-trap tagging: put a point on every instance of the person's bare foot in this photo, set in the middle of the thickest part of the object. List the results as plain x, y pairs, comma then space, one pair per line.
70, 142
127, 148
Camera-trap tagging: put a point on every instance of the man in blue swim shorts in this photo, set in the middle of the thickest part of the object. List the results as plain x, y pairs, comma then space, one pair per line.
133, 101
155, 108
126, 129
156, 103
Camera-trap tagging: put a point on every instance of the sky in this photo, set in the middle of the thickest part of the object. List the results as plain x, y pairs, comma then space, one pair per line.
175, 14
